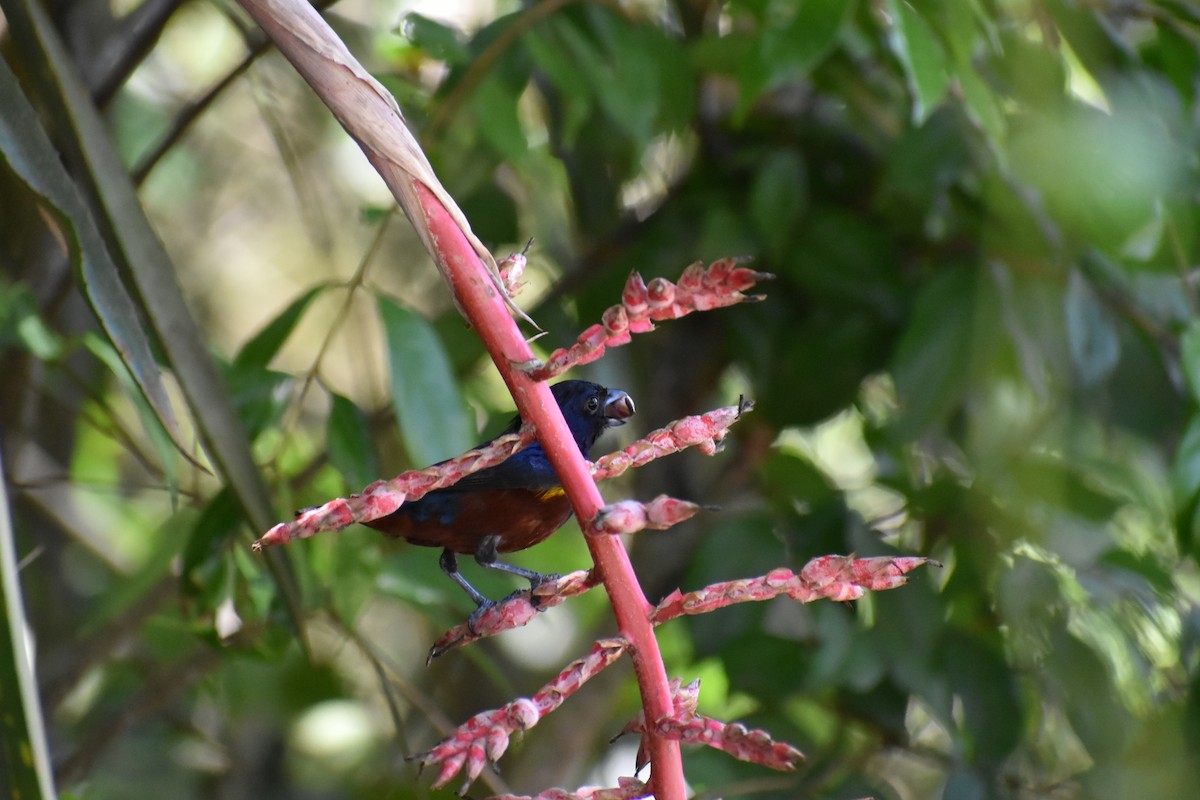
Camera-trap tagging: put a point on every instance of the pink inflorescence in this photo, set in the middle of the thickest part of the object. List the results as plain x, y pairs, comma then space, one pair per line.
514, 611
699, 289
484, 738
706, 432
383, 497
837, 578
631, 516
685, 725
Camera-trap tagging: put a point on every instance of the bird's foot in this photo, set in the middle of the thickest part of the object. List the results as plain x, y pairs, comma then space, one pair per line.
535, 599
479, 611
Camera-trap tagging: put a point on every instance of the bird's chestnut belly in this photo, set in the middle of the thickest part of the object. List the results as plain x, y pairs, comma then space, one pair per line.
460, 520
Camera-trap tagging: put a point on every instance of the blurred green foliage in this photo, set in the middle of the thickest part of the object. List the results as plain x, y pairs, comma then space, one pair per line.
983, 345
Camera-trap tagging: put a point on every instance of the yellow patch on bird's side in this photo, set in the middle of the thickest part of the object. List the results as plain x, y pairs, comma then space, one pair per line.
550, 494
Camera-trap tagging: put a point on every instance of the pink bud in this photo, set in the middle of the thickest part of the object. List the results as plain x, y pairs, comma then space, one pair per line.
634, 295
615, 320
692, 279
660, 293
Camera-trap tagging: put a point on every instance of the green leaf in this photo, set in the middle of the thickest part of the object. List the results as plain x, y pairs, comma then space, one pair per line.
1175, 57
203, 567
544, 45
437, 39
922, 56
349, 442
259, 396
631, 93
153, 425
1150, 567
429, 406
119, 212
778, 197
983, 682
1091, 334
965, 784
1189, 346
983, 108
789, 51
20, 323
1185, 481
265, 344
1060, 483
27, 151
933, 363
495, 105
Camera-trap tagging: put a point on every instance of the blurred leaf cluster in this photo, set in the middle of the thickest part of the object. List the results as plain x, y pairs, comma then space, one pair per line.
983, 345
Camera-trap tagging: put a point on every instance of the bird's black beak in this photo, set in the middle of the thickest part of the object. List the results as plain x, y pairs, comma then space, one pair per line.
618, 407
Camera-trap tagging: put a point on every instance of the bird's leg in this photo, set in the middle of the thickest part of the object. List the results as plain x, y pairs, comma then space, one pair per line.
487, 555
449, 564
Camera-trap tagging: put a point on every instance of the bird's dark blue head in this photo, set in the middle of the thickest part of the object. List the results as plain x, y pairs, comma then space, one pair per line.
589, 410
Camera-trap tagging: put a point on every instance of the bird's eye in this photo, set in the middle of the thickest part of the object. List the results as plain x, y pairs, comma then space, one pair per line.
593, 404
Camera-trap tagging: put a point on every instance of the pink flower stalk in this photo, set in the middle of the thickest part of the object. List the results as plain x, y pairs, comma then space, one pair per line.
484, 738
699, 289
838, 578
706, 432
631, 516
685, 725
514, 611
751, 745
383, 497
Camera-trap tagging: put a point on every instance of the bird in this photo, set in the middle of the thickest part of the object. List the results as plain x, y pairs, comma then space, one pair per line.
513, 505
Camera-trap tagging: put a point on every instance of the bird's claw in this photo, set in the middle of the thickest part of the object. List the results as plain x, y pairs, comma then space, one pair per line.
479, 611
535, 597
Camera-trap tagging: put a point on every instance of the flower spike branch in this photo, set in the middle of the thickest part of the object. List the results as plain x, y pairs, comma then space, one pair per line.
838, 578
484, 738
699, 289
754, 746
706, 432
383, 497
513, 611
630, 516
